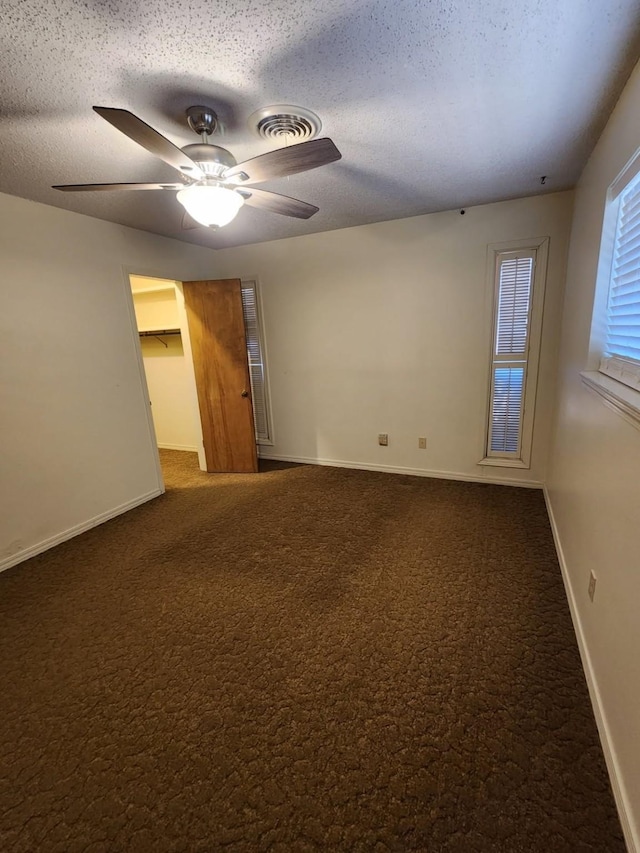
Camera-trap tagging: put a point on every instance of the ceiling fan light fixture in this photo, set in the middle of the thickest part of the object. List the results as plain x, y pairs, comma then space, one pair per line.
210, 205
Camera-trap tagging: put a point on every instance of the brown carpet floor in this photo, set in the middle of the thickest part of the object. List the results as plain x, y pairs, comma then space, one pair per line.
303, 659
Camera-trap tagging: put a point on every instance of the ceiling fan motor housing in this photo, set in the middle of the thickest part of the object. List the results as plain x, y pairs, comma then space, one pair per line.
202, 120
212, 159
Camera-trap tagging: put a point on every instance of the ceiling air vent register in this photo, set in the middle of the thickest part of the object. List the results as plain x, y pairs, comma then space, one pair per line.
296, 124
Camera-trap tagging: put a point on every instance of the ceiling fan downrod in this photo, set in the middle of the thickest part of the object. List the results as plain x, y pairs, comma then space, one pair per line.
212, 159
202, 120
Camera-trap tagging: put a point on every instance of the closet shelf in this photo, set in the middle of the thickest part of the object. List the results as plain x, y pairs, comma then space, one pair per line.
163, 288
158, 332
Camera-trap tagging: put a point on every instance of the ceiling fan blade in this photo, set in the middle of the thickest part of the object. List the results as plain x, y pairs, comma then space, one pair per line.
284, 161
79, 188
277, 203
140, 132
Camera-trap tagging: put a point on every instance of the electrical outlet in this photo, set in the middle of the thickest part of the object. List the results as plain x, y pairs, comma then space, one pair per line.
383, 439
592, 585
422, 443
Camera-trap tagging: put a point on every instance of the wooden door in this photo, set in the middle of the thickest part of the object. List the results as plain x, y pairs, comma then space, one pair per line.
219, 346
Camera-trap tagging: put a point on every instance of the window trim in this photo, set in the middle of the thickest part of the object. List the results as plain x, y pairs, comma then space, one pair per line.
253, 281
540, 245
620, 398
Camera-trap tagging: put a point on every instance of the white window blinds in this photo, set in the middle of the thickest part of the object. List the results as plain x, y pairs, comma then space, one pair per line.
256, 361
623, 315
506, 410
513, 299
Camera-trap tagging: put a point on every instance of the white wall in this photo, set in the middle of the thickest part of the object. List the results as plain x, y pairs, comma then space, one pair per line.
385, 328
594, 482
75, 439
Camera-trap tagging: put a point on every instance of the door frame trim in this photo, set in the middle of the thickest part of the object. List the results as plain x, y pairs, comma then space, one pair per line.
128, 271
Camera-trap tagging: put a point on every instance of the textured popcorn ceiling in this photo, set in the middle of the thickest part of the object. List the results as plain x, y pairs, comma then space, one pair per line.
434, 105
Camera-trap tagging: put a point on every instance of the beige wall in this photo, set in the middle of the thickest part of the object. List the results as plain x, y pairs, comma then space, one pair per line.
76, 444
385, 328
594, 481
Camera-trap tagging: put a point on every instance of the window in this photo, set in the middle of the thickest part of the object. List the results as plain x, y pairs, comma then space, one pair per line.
257, 367
517, 276
613, 369
621, 351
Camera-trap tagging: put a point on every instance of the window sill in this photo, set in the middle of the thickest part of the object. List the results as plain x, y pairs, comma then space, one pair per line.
624, 400
497, 462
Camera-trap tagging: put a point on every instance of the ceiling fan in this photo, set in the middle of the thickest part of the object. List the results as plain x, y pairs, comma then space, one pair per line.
212, 186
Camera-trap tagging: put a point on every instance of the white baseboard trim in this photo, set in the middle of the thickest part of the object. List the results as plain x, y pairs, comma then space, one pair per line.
393, 469
625, 812
52, 541
188, 447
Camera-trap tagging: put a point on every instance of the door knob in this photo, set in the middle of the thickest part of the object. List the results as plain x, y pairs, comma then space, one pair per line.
244, 394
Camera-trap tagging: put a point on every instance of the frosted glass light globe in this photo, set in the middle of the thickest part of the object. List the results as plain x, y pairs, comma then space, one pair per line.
210, 205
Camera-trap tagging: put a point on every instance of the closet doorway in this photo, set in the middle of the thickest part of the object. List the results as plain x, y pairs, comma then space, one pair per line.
194, 352
164, 337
